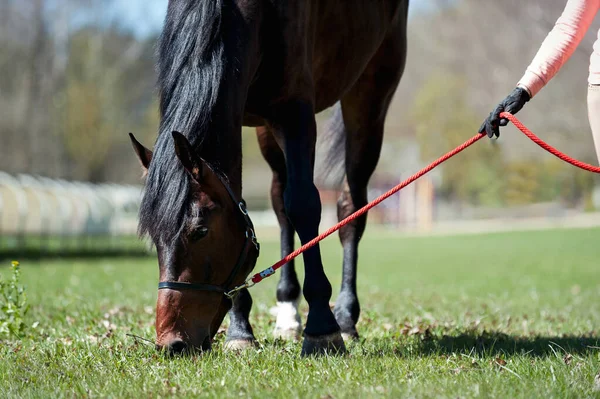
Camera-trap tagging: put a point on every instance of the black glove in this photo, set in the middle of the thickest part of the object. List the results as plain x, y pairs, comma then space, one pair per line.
513, 104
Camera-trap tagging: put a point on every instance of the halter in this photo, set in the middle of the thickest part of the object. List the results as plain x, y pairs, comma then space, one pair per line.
250, 242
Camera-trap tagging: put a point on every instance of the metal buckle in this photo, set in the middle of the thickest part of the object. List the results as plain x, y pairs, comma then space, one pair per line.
254, 239
243, 209
252, 236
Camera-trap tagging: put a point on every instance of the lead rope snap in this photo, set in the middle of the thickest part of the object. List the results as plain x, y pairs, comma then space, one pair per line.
233, 293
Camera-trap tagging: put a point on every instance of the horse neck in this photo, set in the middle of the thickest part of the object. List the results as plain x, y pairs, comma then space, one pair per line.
226, 154
207, 98
228, 112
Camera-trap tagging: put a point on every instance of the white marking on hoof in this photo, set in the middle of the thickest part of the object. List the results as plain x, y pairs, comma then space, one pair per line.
288, 325
237, 345
348, 337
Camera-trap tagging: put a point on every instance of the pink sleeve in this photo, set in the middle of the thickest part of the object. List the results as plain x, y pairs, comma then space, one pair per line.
560, 44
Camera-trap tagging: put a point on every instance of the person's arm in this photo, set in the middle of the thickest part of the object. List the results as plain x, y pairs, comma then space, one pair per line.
555, 50
560, 44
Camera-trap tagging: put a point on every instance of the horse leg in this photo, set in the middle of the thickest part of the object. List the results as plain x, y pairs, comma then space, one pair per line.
239, 333
288, 324
363, 110
295, 130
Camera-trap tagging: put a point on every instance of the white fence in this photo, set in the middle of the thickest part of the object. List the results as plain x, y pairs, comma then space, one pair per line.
59, 214
44, 216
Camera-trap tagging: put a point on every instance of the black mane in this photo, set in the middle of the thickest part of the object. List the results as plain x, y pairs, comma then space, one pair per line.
190, 68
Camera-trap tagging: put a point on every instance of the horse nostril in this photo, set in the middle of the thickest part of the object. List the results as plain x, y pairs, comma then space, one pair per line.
177, 347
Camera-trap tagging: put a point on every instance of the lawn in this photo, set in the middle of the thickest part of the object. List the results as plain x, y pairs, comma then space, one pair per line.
498, 315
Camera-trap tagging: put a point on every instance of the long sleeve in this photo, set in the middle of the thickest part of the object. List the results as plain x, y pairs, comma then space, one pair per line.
560, 44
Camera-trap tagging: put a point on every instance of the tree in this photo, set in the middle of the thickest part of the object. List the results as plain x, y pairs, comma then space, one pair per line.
443, 120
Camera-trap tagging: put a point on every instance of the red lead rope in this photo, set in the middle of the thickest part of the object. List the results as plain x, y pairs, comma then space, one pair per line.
258, 277
547, 147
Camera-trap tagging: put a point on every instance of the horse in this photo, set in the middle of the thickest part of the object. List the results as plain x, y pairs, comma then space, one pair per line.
271, 65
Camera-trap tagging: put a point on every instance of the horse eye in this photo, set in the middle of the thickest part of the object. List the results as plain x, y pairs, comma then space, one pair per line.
199, 233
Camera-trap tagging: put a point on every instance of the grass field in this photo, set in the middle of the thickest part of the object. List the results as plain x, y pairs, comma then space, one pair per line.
499, 315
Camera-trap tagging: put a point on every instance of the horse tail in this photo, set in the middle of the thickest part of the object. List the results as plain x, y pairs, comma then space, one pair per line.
331, 151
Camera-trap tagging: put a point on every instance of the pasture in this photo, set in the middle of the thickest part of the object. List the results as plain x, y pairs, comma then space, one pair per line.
495, 315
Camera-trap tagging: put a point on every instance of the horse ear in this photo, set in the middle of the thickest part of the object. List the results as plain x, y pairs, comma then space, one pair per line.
185, 152
144, 155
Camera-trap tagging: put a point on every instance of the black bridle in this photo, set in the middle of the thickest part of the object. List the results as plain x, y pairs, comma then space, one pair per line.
250, 242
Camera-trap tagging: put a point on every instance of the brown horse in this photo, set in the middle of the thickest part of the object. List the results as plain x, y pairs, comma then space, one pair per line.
270, 64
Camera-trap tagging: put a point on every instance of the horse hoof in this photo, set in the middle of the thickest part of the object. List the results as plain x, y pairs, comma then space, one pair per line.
237, 345
332, 344
287, 334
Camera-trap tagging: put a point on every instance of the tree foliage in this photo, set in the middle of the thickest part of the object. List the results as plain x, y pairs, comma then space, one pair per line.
443, 120
73, 83
69, 94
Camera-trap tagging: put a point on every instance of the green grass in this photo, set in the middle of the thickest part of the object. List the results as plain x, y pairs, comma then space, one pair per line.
439, 316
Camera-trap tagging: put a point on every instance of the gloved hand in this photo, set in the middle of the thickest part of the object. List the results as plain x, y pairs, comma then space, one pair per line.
513, 103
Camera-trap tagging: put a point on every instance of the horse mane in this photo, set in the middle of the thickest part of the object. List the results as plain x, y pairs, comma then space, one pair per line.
190, 67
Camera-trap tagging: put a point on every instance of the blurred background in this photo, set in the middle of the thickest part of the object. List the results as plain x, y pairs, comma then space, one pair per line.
77, 75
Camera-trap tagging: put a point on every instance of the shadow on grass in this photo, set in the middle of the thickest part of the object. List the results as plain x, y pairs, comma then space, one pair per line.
9, 255
482, 344
36, 247
493, 342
